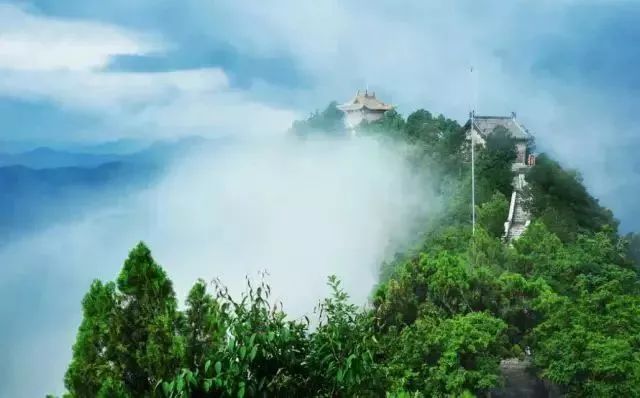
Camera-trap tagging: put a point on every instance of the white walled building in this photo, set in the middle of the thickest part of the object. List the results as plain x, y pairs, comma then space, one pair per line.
363, 106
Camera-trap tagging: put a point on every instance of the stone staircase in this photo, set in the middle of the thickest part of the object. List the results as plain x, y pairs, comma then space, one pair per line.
518, 219
521, 382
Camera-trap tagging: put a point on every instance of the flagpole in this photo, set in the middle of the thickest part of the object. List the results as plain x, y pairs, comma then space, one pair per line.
473, 167
473, 180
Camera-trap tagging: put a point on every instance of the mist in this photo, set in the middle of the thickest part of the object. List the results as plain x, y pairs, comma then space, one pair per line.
301, 210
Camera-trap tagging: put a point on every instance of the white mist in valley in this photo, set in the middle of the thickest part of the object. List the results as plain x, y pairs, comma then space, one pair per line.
301, 210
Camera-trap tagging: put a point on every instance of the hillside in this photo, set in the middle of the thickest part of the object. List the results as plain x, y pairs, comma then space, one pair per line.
36, 198
44, 157
44, 186
564, 297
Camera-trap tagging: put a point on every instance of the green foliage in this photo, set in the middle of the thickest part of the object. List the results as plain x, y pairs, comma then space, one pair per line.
493, 165
128, 339
493, 213
585, 328
440, 340
590, 345
328, 122
134, 342
446, 312
439, 142
92, 351
391, 123
448, 357
205, 326
538, 253
150, 348
633, 249
560, 199
250, 349
341, 356
471, 347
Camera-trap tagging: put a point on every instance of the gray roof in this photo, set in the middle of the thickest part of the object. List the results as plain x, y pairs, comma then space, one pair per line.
485, 125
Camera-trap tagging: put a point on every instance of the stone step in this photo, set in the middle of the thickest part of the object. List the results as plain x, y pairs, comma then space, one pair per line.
519, 218
520, 381
515, 231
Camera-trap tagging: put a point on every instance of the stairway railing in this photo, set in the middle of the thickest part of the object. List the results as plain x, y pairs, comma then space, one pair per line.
512, 207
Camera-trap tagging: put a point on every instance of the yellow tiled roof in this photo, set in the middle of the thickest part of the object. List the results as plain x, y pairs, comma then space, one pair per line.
366, 100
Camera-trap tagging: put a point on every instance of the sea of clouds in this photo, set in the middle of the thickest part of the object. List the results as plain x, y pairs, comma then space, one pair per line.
299, 209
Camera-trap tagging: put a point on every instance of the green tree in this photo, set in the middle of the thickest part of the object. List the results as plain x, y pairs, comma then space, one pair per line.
341, 356
590, 346
390, 124
451, 357
493, 214
149, 346
633, 249
444, 314
539, 252
560, 199
328, 122
93, 353
256, 351
204, 328
493, 165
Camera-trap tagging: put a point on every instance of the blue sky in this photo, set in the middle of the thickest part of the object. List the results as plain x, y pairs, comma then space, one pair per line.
96, 71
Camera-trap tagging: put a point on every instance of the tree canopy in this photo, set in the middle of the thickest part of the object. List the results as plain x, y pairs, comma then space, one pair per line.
442, 318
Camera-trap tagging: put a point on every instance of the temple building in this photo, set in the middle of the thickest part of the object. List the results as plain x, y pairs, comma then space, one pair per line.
483, 126
518, 218
363, 106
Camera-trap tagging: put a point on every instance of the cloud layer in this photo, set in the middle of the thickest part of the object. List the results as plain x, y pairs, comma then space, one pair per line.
40, 43
300, 210
64, 62
566, 67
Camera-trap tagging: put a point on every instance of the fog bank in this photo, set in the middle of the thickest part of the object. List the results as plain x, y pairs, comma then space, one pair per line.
300, 210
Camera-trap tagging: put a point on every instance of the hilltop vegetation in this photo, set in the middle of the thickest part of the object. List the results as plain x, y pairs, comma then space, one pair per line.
441, 319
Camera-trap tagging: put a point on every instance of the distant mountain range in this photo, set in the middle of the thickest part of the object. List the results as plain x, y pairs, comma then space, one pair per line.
44, 157
43, 186
95, 155
120, 146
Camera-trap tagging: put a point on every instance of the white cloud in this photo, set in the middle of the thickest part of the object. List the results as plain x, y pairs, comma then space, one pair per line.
32, 42
301, 213
155, 105
418, 54
62, 62
110, 91
300, 210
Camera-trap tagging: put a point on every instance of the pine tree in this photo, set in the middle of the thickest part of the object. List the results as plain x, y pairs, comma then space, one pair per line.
91, 363
150, 348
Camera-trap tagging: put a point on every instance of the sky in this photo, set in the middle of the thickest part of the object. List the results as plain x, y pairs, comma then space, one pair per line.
79, 71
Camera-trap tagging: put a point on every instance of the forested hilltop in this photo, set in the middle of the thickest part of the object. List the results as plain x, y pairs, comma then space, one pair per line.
443, 316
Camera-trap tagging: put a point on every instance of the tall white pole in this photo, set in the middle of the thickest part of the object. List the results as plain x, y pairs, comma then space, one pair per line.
473, 178
473, 157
